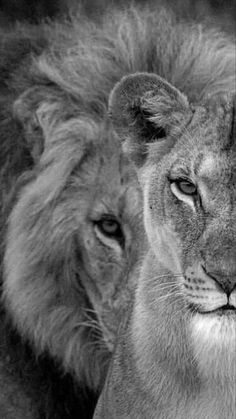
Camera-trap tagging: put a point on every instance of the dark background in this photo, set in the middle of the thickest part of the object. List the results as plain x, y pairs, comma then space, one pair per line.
223, 11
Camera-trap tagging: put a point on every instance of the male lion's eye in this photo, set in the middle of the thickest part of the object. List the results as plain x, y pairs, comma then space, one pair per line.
110, 228
186, 187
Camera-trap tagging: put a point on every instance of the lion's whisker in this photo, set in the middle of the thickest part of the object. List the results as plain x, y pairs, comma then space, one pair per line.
165, 297
164, 276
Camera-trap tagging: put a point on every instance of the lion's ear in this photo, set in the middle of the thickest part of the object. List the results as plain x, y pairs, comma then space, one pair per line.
144, 108
34, 110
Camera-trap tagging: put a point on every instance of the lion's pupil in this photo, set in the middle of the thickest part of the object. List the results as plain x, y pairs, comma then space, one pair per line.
187, 188
110, 226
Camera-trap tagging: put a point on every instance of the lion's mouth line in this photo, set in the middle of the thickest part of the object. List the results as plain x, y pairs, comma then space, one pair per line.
221, 310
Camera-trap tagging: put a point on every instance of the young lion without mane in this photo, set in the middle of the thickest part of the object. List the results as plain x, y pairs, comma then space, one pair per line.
176, 351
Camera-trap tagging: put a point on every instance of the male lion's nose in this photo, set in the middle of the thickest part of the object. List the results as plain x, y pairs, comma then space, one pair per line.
225, 282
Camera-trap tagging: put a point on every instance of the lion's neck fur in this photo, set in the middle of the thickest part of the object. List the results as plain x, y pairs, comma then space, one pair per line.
164, 358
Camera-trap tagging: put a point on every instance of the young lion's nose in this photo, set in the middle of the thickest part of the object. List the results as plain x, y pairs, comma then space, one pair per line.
220, 260
225, 282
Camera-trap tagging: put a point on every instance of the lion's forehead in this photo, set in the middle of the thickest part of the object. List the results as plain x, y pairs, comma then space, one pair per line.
206, 151
125, 201
214, 173
212, 127
117, 186
217, 169
115, 189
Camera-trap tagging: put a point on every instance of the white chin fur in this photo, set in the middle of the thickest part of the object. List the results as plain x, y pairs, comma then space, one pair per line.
213, 339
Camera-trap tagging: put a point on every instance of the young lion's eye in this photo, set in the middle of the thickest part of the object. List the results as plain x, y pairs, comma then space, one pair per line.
186, 187
184, 190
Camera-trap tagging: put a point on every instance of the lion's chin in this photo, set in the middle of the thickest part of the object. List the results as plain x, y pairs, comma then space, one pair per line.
213, 339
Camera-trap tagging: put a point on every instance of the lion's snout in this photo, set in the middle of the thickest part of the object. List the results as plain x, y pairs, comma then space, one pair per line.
223, 271
219, 255
225, 282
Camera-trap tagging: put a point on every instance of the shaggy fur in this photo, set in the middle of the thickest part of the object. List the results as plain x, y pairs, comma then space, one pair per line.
62, 174
59, 157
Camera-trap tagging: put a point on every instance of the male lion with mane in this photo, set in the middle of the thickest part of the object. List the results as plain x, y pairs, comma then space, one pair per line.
70, 204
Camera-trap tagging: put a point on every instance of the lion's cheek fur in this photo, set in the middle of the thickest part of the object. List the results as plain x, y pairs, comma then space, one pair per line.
163, 240
161, 233
103, 278
41, 293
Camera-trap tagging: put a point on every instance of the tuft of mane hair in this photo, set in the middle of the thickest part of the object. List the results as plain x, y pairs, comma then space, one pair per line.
197, 60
